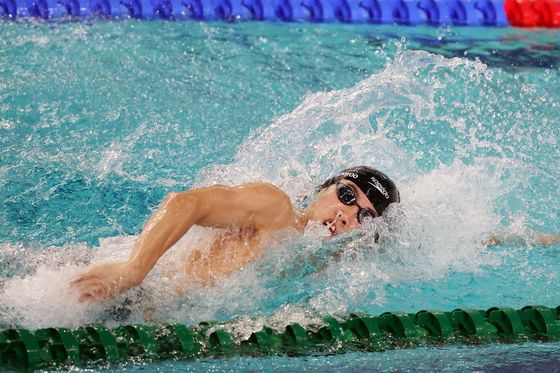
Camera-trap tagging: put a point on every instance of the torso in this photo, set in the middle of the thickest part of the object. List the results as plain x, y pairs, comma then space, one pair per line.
230, 251
234, 247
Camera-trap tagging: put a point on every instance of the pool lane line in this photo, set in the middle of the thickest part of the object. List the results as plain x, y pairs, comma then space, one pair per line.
95, 345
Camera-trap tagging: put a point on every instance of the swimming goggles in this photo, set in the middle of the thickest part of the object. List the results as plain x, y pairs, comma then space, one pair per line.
347, 196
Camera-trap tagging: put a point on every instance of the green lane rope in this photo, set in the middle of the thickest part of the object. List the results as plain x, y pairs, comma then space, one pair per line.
25, 350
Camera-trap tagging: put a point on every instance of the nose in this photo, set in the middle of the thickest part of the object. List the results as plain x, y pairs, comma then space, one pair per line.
345, 220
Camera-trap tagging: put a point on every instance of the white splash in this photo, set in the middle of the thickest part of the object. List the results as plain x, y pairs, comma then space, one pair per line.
445, 215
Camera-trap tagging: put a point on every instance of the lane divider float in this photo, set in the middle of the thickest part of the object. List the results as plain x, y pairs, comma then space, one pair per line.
25, 350
519, 13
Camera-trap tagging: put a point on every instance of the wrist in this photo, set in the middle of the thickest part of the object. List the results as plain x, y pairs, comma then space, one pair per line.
135, 272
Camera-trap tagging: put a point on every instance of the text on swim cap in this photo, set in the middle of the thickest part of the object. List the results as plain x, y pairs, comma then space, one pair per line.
350, 174
377, 185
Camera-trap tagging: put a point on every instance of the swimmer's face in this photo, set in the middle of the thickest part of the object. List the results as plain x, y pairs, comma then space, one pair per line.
339, 217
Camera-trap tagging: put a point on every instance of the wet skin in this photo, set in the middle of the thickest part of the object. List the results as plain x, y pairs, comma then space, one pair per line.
247, 214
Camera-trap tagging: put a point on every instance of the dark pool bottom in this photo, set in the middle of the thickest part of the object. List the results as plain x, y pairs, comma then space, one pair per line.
96, 344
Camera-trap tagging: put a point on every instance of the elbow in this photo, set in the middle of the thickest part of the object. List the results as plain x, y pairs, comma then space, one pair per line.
182, 205
180, 200
171, 198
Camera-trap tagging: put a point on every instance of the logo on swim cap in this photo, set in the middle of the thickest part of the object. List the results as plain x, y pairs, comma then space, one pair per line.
378, 188
377, 185
350, 174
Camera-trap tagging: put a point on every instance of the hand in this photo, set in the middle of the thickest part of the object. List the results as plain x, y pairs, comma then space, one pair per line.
546, 239
105, 281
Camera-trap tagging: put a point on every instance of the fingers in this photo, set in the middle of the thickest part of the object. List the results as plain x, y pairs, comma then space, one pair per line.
89, 296
78, 281
94, 292
84, 277
90, 287
101, 283
85, 282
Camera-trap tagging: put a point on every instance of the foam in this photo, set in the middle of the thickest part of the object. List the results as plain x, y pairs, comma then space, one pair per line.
450, 198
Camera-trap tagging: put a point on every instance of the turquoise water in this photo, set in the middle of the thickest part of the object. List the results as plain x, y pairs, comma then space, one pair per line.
100, 120
529, 357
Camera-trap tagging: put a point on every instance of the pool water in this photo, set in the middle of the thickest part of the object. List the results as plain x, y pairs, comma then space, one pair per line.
530, 357
100, 120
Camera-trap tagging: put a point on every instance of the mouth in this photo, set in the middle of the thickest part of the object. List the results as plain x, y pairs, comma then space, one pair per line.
329, 223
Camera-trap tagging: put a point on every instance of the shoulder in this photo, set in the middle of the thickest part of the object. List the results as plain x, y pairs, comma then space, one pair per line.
257, 205
263, 194
269, 203
263, 188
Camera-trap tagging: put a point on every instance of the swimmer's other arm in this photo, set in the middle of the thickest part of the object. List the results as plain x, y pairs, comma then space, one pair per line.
532, 238
257, 206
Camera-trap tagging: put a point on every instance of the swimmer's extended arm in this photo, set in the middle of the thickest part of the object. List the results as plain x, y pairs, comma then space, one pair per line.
533, 238
258, 206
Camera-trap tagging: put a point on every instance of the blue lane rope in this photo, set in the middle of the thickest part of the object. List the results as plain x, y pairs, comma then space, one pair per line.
403, 12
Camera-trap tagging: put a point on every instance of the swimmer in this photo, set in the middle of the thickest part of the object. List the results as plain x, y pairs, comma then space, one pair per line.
248, 215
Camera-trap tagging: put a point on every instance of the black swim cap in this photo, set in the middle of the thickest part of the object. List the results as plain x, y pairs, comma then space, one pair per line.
378, 187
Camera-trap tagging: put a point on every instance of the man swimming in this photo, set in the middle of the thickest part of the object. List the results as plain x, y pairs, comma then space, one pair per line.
248, 214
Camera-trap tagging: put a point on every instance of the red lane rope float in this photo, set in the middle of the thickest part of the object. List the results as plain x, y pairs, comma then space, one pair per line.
533, 13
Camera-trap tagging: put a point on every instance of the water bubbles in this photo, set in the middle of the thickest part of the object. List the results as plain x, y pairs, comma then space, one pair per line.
452, 133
